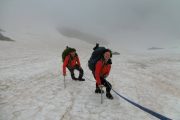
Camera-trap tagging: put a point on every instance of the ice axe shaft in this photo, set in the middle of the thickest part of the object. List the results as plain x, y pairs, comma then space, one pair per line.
101, 95
64, 83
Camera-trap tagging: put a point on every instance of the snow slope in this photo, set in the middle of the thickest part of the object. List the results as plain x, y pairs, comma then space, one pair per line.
31, 83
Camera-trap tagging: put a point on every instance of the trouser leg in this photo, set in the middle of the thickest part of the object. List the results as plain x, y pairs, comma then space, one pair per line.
72, 73
106, 84
81, 72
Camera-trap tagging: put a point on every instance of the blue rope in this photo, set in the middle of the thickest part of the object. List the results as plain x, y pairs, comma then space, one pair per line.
155, 114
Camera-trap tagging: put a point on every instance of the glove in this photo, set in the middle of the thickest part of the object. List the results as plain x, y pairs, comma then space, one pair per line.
109, 61
101, 86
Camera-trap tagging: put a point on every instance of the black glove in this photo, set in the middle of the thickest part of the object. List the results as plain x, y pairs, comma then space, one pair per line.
109, 61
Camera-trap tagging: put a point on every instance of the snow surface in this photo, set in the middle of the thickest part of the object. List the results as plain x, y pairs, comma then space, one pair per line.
32, 88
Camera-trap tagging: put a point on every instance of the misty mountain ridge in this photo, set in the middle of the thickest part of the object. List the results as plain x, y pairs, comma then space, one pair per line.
4, 38
89, 38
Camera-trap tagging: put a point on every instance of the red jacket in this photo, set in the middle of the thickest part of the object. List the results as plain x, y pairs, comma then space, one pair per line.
101, 70
70, 63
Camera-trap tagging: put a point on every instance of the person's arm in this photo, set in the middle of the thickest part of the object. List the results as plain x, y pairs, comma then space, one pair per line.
65, 64
108, 70
97, 72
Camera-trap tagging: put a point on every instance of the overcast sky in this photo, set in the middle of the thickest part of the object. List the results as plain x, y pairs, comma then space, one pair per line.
124, 23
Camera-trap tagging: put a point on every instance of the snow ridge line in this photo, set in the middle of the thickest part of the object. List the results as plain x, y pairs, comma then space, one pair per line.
67, 112
155, 114
67, 115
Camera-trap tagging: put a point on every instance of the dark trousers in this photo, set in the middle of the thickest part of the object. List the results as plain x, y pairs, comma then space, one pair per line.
76, 67
105, 83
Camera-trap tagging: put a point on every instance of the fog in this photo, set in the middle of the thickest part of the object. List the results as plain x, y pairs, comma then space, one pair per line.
126, 24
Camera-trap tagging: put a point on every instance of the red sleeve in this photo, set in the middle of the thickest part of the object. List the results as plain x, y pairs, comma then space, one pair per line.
78, 62
97, 72
65, 64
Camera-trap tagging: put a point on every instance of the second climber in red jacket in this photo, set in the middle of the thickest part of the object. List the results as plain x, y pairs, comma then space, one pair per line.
72, 63
102, 70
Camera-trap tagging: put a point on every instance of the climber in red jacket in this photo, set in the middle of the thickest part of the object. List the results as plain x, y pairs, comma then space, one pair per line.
102, 70
72, 62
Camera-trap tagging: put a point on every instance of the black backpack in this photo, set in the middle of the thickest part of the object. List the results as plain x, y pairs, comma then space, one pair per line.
96, 56
66, 52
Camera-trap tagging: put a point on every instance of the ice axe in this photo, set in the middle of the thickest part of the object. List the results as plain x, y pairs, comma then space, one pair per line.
101, 86
64, 83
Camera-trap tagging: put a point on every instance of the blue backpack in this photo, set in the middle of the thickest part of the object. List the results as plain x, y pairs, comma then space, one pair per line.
96, 56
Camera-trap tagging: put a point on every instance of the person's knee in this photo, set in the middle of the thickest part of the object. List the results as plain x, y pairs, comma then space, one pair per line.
80, 69
71, 70
109, 85
72, 73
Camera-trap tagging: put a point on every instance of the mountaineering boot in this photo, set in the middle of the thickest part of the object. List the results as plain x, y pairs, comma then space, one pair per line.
81, 79
73, 78
98, 90
109, 96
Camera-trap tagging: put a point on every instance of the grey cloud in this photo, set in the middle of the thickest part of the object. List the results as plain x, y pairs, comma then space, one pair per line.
124, 23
